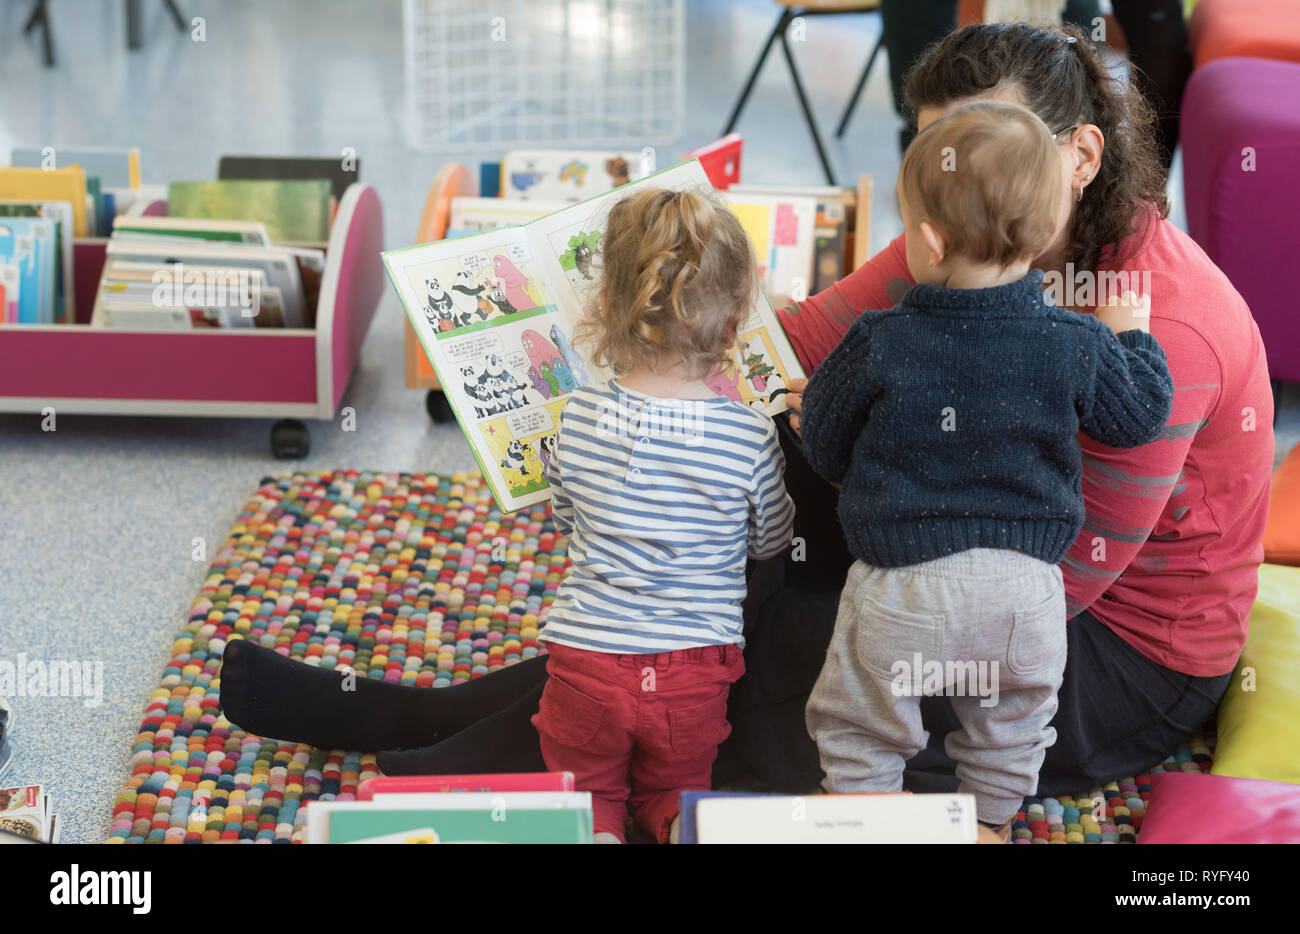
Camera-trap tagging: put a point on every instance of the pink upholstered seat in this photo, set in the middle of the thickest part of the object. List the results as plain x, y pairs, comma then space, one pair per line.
1241, 151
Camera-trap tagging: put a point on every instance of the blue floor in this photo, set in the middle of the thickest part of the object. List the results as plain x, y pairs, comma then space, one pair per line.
98, 517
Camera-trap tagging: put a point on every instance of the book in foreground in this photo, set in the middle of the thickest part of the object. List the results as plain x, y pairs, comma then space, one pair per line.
729, 817
27, 815
454, 817
495, 312
504, 781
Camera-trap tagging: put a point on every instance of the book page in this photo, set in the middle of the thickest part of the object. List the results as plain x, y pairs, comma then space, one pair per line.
567, 246
496, 336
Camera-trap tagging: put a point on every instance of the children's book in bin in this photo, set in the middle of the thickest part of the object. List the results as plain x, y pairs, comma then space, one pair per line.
495, 312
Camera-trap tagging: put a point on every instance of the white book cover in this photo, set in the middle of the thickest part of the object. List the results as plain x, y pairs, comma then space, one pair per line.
495, 311
477, 214
901, 818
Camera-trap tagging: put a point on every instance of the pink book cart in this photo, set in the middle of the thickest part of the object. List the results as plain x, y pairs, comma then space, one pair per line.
288, 374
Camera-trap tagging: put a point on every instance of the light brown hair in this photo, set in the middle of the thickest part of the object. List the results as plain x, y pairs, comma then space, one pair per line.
1059, 75
988, 177
677, 275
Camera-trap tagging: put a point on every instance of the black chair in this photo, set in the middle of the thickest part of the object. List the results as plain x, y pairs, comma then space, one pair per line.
40, 16
789, 13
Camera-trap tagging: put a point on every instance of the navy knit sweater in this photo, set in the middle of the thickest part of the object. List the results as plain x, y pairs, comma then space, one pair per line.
950, 420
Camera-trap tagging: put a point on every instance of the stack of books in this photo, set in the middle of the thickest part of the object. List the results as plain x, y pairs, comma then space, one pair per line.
176, 273
49, 195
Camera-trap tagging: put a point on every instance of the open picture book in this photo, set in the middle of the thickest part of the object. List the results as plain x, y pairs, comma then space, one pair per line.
494, 312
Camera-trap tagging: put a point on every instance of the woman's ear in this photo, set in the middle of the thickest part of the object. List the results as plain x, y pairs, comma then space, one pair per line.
1088, 143
935, 240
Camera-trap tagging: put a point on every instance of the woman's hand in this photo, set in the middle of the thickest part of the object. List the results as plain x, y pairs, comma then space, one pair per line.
794, 399
1129, 312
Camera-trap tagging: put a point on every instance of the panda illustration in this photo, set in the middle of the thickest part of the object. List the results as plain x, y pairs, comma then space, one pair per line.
515, 459
470, 378
465, 296
484, 404
439, 308
497, 388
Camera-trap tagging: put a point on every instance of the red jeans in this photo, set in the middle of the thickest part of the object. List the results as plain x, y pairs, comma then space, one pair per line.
636, 730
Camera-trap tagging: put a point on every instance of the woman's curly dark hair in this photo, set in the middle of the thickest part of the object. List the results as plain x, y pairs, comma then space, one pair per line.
1060, 76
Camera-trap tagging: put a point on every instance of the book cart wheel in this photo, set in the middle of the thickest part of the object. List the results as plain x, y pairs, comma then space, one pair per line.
290, 439
436, 404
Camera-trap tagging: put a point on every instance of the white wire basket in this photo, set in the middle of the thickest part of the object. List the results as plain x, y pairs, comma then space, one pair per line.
544, 73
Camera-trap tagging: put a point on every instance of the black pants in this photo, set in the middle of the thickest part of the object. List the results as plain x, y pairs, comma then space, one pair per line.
1154, 29
1119, 713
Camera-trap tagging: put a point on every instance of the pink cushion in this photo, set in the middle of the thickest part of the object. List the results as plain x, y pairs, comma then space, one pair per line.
1238, 114
1190, 808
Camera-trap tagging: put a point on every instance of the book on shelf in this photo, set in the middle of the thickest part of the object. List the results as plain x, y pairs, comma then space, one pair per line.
781, 227
67, 184
29, 244
27, 815
295, 211
185, 229
495, 311
454, 817
339, 172
60, 213
569, 174
115, 167
169, 273
832, 226
471, 215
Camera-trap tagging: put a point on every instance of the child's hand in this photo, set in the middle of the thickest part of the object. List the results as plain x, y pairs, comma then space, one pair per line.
1129, 312
794, 399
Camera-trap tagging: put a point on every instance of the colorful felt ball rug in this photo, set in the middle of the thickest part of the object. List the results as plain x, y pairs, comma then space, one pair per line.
409, 578
414, 579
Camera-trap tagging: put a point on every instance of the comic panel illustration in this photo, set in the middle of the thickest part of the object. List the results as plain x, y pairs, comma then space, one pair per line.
520, 445
509, 368
577, 250
754, 374
469, 292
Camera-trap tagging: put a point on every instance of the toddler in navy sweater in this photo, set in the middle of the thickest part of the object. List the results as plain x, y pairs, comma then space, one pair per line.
950, 423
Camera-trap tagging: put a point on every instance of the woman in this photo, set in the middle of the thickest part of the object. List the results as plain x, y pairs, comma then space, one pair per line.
1159, 583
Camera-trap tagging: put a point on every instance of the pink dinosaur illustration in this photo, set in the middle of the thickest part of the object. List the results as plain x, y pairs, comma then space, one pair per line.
539, 349
724, 385
513, 283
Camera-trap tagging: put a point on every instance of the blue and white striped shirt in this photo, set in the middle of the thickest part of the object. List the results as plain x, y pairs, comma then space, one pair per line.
661, 499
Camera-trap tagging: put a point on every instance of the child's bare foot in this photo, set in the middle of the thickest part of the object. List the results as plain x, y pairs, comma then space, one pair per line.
605, 837
675, 834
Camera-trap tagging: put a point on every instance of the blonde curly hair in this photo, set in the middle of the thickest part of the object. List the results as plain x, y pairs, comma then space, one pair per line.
677, 277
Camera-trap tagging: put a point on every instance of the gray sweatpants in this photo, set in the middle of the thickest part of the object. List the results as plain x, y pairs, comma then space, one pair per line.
987, 628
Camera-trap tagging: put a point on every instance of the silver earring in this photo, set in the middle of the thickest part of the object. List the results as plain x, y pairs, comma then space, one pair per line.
1086, 180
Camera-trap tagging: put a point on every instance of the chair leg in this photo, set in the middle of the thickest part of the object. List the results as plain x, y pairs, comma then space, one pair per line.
781, 23
807, 111
40, 16
133, 40
176, 15
857, 91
